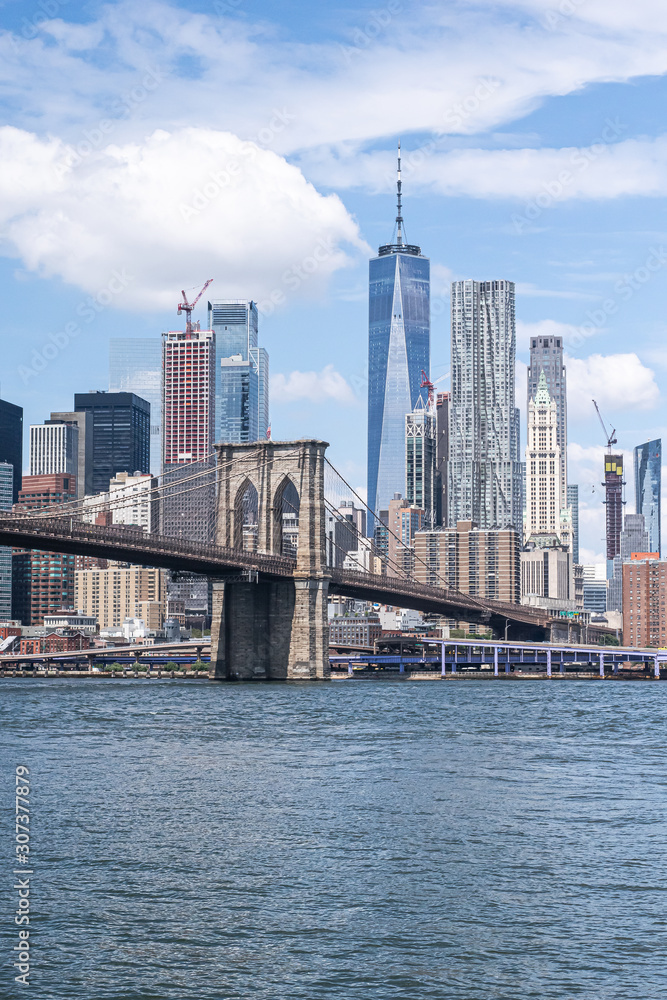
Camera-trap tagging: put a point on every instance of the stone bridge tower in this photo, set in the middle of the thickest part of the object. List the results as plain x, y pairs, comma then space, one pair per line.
267, 492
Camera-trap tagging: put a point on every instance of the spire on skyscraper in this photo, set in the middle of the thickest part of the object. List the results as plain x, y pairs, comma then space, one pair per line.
400, 246
399, 217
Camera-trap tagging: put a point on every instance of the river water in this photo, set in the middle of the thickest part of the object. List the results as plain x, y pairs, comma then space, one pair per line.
353, 840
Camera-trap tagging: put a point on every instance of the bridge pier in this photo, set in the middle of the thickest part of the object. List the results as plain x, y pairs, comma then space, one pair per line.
270, 631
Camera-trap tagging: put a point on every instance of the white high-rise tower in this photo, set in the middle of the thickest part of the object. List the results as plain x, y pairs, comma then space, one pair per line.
545, 514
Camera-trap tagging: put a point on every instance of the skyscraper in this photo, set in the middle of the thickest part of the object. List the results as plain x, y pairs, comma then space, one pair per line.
135, 365
442, 454
544, 514
398, 351
546, 355
634, 540
613, 484
241, 372
573, 504
54, 447
6, 501
83, 422
121, 434
421, 461
484, 467
648, 470
11, 440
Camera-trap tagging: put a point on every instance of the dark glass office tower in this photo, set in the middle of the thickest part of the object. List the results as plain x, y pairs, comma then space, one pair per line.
398, 350
11, 441
121, 434
241, 372
648, 468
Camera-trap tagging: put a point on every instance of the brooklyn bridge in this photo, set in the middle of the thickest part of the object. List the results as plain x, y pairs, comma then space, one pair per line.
273, 560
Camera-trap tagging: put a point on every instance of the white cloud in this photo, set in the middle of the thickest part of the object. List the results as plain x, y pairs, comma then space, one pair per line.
542, 328
618, 382
168, 212
314, 387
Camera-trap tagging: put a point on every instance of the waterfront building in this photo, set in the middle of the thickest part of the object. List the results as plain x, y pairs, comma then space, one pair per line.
544, 492
634, 539
120, 434
573, 504
62, 640
11, 441
130, 500
54, 447
648, 475
442, 455
546, 358
354, 630
111, 595
421, 461
6, 501
83, 424
645, 601
68, 618
484, 467
483, 562
398, 352
547, 578
135, 365
241, 372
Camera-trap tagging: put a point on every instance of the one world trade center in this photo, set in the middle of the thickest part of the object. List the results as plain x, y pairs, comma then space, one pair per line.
398, 351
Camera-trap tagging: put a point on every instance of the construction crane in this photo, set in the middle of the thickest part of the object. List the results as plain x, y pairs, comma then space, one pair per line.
611, 438
427, 384
187, 307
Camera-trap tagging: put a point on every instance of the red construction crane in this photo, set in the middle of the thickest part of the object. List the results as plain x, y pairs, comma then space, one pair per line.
427, 384
187, 307
611, 438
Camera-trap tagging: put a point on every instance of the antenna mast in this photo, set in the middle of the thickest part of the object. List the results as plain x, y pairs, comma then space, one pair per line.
399, 217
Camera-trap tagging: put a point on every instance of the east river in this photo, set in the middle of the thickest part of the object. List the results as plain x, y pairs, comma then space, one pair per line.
478, 840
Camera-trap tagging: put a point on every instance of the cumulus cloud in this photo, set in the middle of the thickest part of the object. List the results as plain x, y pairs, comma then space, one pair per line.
313, 387
542, 328
168, 212
616, 381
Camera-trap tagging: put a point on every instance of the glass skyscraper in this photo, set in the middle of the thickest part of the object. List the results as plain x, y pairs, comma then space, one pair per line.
241, 372
648, 459
6, 500
11, 441
121, 434
398, 351
135, 365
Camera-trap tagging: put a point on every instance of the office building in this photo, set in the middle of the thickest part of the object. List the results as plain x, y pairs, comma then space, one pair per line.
44, 491
645, 601
241, 372
547, 577
404, 521
11, 441
634, 539
544, 492
648, 474
130, 500
595, 587
546, 357
398, 352
345, 531
135, 366
6, 501
573, 504
111, 595
442, 455
354, 630
421, 461
484, 467
483, 562
120, 434
83, 424
54, 447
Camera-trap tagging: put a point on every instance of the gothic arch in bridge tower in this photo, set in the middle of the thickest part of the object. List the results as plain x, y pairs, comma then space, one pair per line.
246, 516
285, 508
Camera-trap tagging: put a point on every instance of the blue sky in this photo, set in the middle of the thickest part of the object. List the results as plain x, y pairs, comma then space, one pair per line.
147, 149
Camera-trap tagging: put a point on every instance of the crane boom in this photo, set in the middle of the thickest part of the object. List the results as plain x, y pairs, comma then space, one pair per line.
611, 438
187, 307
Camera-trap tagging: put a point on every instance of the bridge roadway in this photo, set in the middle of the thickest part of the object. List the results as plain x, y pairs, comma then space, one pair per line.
126, 544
